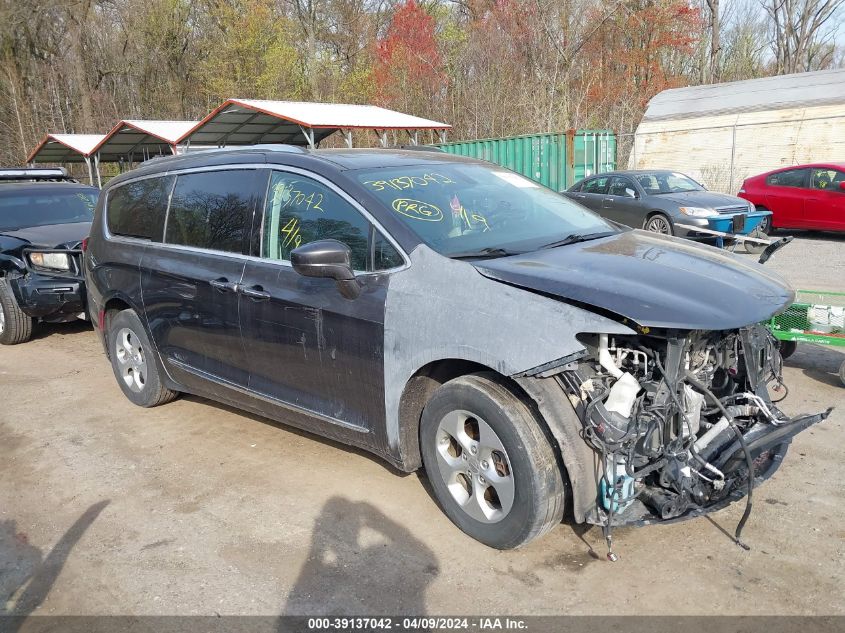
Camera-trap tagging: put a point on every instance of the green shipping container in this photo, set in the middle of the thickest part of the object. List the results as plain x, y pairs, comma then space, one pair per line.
555, 160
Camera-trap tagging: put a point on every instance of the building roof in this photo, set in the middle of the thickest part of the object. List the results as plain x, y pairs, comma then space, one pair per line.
135, 139
255, 121
825, 87
64, 148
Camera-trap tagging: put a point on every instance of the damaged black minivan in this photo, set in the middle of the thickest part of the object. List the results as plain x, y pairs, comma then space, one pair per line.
446, 313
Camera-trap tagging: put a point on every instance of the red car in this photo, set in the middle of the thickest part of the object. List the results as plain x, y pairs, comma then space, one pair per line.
801, 197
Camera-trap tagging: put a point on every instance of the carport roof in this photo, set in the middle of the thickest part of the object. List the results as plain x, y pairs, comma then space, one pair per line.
64, 148
253, 121
131, 138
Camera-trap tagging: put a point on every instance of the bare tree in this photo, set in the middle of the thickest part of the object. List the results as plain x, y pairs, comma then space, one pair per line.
802, 33
715, 40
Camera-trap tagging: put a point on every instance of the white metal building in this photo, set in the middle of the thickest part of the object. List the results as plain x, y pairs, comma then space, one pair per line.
723, 133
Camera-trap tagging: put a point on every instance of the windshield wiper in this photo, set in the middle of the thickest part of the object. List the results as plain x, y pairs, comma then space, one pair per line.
574, 238
484, 252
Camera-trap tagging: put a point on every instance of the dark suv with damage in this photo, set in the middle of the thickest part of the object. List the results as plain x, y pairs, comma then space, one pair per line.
446, 313
44, 216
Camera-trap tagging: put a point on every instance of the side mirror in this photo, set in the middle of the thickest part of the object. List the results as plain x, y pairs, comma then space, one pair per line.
842, 186
631, 193
330, 259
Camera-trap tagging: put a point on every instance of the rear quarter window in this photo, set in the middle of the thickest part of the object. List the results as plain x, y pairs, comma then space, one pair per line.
137, 209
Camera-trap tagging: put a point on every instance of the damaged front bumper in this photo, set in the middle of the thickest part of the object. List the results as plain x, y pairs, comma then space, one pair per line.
681, 422
768, 445
51, 295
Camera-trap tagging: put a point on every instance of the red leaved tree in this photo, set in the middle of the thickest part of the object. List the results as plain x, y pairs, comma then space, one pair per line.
409, 68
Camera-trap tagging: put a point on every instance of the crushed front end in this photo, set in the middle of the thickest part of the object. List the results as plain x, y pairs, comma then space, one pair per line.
683, 422
48, 283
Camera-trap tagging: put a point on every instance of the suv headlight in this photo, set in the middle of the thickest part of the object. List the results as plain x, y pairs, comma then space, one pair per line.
697, 212
56, 261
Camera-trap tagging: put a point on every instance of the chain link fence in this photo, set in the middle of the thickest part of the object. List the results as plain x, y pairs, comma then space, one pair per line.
723, 156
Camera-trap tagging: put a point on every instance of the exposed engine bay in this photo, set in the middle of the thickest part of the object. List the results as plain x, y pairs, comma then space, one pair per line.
683, 422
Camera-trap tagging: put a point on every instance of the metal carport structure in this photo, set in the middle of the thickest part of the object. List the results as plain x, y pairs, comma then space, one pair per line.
133, 139
66, 148
254, 121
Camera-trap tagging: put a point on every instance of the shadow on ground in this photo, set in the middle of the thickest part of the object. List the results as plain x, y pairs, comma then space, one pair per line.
818, 362
361, 562
25, 576
46, 330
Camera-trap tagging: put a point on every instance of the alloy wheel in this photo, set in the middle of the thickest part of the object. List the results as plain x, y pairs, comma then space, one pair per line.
131, 359
475, 466
658, 224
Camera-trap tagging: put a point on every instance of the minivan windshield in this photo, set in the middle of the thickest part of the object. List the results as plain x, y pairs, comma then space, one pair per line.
467, 209
28, 208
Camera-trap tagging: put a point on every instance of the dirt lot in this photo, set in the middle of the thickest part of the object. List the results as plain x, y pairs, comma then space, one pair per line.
193, 508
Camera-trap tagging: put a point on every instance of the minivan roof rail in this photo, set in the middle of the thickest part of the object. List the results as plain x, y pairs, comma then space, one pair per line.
419, 148
34, 173
276, 147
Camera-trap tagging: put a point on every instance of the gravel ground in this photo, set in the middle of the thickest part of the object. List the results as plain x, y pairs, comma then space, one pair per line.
194, 508
813, 261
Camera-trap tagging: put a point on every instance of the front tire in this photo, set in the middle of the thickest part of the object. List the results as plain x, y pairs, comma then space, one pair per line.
134, 363
15, 325
659, 223
492, 468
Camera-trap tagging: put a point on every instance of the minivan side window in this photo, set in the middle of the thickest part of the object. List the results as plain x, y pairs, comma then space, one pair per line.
137, 209
385, 256
300, 210
789, 178
212, 209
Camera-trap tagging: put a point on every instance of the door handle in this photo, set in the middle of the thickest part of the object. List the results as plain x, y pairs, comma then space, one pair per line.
256, 293
580, 195
223, 285
611, 199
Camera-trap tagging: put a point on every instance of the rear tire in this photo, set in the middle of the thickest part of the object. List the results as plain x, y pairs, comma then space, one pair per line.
491, 466
134, 362
658, 223
842, 374
15, 325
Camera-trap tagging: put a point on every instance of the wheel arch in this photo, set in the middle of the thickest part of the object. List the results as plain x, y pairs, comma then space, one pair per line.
543, 396
113, 304
416, 394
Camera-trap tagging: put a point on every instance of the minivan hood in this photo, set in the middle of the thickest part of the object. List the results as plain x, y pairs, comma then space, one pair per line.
705, 199
52, 235
654, 280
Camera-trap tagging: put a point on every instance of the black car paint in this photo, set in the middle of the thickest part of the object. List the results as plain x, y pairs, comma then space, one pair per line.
634, 212
312, 358
652, 280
